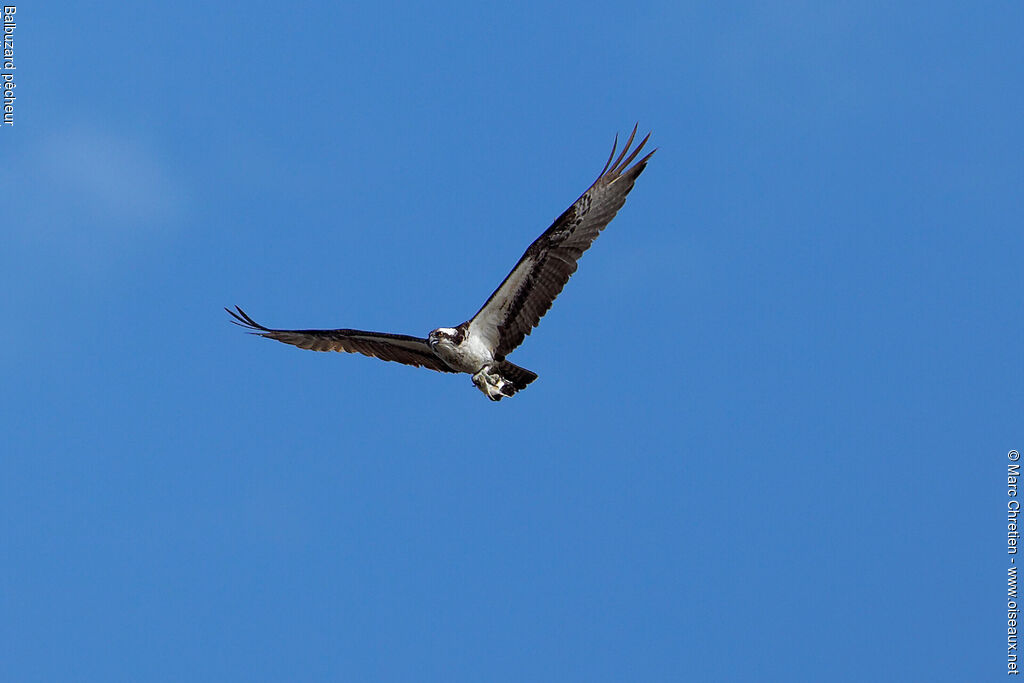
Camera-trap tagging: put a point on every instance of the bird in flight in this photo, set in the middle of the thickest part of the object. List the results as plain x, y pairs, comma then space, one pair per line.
479, 346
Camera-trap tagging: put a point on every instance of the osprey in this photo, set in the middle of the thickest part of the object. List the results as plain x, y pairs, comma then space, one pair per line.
479, 345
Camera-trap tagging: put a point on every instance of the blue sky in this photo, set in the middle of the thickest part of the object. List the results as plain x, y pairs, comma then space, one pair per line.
769, 433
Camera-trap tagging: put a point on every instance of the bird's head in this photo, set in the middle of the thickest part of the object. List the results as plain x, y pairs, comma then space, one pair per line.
446, 336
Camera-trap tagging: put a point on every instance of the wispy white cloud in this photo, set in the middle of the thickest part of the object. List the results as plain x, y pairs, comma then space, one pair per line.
89, 185
114, 176
76, 205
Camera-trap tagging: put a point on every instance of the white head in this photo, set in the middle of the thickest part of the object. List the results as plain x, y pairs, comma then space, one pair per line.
445, 336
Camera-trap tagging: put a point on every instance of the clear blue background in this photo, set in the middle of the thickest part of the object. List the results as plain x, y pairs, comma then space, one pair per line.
769, 436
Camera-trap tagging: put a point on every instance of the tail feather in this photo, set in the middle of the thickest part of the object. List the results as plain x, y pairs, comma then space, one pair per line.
519, 377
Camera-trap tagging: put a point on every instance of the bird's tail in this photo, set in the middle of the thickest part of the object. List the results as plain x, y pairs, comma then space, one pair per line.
519, 377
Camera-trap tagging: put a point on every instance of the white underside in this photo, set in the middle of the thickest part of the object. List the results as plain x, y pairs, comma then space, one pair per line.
485, 324
474, 356
470, 356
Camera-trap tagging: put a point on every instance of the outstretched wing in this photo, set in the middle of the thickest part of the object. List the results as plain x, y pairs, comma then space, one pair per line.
517, 306
394, 347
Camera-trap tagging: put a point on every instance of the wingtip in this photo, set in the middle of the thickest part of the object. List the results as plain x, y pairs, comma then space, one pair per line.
619, 165
625, 149
615, 146
242, 319
622, 162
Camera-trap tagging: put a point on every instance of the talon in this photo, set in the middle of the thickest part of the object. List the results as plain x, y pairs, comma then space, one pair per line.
492, 384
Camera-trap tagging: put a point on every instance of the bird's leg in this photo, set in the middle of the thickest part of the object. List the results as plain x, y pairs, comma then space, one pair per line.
491, 384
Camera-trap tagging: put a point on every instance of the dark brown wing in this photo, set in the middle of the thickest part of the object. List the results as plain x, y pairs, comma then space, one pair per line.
517, 306
393, 347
